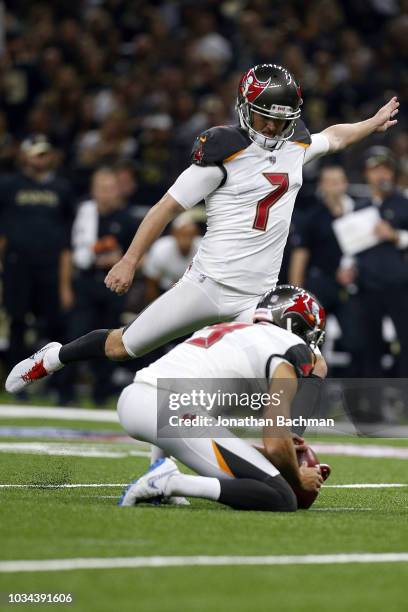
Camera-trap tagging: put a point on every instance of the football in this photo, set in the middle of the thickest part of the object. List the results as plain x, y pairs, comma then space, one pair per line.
306, 498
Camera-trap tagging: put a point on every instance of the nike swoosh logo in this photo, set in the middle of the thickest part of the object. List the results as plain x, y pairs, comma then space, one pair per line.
151, 481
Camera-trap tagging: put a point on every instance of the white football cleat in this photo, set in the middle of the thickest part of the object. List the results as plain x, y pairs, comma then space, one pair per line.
151, 485
31, 369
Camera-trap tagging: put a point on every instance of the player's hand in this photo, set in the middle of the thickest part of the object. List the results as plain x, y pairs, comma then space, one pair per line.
385, 231
320, 368
384, 118
120, 277
310, 477
299, 442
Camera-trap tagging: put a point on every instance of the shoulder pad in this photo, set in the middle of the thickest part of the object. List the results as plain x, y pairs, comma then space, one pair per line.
301, 134
301, 357
218, 144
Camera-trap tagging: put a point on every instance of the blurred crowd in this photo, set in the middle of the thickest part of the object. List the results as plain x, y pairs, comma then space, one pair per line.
100, 102
125, 79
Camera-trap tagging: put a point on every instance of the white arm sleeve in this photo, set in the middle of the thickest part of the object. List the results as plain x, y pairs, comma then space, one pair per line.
320, 146
195, 184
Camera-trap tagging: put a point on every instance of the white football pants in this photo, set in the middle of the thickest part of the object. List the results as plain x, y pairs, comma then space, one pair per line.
224, 457
195, 301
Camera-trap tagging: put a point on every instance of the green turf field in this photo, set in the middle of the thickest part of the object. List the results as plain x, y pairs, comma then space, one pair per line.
47, 523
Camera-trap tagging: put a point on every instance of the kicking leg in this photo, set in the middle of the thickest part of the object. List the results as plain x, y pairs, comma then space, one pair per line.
186, 307
183, 309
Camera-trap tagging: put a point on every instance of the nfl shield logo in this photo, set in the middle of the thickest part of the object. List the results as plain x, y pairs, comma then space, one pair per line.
272, 159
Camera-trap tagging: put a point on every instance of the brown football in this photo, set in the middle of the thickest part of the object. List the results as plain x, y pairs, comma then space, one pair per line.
306, 498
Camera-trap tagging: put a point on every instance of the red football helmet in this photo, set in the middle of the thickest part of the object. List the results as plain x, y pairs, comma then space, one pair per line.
294, 309
269, 90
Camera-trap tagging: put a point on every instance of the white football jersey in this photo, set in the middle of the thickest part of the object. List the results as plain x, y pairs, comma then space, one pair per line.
232, 350
249, 203
248, 218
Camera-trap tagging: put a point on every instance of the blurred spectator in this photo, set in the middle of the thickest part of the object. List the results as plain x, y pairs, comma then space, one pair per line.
169, 256
125, 171
399, 147
383, 269
8, 146
156, 161
101, 232
108, 144
20, 79
317, 261
98, 73
36, 218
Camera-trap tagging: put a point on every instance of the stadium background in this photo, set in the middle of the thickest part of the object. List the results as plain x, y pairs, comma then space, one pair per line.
145, 77
129, 85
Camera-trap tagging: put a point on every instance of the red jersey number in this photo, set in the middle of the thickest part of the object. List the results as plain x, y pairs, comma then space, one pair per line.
217, 332
281, 183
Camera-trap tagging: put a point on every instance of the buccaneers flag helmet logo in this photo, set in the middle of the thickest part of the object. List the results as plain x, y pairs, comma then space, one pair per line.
250, 87
304, 305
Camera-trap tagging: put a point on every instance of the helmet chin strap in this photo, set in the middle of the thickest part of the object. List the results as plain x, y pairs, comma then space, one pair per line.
263, 141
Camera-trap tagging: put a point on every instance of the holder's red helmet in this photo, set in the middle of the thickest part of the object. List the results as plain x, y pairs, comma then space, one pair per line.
294, 309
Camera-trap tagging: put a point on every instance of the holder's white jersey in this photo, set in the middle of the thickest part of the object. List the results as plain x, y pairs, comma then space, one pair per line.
249, 193
232, 350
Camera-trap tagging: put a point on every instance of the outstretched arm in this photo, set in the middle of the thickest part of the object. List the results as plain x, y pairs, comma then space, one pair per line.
345, 134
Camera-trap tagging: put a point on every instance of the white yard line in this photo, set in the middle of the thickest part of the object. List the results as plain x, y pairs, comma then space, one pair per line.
70, 450
326, 509
361, 450
11, 411
367, 485
110, 450
64, 486
56, 565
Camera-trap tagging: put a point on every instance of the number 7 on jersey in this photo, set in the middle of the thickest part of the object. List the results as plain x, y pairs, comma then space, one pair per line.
280, 181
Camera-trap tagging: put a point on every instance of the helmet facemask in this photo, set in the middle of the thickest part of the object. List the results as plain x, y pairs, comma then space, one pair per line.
315, 338
245, 113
